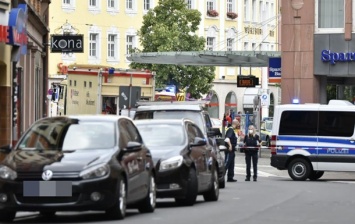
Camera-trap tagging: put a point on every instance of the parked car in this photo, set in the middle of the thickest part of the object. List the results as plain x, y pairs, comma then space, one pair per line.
192, 110
265, 132
217, 123
74, 163
185, 166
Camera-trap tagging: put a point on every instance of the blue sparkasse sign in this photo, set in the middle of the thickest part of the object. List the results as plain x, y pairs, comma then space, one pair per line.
274, 70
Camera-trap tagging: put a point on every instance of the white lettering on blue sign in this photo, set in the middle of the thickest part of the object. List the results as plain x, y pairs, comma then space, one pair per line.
338, 151
277, 71
334, 57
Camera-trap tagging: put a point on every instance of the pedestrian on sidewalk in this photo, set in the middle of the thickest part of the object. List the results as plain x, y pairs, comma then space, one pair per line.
252, 145
231, 142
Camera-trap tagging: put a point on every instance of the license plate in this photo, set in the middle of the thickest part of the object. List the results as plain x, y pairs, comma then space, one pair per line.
47, 189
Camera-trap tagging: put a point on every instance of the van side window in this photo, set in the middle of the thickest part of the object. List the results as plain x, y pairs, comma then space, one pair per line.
339, 124
298, 123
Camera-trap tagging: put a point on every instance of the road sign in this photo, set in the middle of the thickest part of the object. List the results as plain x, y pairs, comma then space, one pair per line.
264, 99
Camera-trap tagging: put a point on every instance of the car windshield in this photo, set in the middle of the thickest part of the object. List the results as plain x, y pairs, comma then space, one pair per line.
268, 126
162, 134
216, 122
69, 136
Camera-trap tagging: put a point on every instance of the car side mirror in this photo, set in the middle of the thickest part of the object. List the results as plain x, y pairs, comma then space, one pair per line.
198, 142
214, 132
6, 148
133, 147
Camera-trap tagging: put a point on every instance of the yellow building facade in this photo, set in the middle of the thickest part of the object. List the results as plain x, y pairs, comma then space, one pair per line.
110, 29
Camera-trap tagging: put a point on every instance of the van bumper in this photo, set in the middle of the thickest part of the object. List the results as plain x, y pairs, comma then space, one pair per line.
279, 161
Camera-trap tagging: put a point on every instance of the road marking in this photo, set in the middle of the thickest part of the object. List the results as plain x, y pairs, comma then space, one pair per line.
241, 170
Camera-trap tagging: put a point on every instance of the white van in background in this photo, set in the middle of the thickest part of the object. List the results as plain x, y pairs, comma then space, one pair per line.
308, 139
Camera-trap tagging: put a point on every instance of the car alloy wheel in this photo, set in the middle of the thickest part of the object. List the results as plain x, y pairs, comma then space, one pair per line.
118, 210
149, 202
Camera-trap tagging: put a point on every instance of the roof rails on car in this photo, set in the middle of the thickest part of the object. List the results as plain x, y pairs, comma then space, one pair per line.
150, 103
340, 103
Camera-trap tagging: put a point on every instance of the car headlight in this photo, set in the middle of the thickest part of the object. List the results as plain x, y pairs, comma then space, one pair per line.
171, 163
95, 171
7, 173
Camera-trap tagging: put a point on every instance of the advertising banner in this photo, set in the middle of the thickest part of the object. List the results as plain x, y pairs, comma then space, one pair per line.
274, 70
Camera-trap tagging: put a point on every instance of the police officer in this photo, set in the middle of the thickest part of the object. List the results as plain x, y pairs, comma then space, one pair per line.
251, 143
231, 142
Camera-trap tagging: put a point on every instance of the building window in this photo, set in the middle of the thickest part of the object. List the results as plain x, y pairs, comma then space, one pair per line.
189, 4
112, 5
130, 43
93, 3
230, 6
93, 45
70, 84
211, 5
112, 46
246, 10
330, 15
210, 43
84, 84
68, 4
246, 46
147, 5
90, 84
254, 10
261, 9
129, 4
230, 44
74, 82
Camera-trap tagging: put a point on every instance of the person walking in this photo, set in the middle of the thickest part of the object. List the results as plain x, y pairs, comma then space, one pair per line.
231, 142
252, 144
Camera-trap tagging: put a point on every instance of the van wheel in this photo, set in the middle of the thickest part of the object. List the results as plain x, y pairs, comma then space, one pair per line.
191, 191
315, 175
299, 169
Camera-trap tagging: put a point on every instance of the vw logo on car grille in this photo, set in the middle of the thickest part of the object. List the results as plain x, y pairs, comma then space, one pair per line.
47, 175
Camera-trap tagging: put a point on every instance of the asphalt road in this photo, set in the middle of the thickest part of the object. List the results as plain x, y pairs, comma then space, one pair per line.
274, 199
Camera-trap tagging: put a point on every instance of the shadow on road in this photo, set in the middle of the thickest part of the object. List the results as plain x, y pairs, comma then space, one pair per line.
89, 217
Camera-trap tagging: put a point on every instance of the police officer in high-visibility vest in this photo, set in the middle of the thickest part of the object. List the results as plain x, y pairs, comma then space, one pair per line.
231, 142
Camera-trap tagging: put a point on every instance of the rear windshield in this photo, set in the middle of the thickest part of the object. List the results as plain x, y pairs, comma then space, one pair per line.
162, 134
69, 136
171, 114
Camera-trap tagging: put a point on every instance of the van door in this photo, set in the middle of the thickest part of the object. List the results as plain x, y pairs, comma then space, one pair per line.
336, 141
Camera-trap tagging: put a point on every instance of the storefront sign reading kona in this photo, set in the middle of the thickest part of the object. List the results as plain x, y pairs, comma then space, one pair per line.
67, 43
334, 57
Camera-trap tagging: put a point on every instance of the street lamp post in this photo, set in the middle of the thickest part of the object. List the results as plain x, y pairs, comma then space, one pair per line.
99, 92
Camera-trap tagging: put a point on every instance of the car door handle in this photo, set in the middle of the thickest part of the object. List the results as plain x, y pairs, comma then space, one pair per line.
352, 140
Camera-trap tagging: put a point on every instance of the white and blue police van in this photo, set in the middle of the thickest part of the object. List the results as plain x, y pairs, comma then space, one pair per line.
309, 139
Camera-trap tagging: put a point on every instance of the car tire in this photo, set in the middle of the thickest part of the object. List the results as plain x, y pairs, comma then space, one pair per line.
47, 214
7, 216
191, 191
222, 183
118, 210
299, 169
213, 193
315, 175
148, 204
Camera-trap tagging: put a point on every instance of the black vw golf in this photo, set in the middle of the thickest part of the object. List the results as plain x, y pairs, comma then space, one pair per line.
75, 163
185, 167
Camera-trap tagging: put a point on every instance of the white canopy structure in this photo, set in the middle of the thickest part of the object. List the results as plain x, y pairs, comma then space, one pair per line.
207, 58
